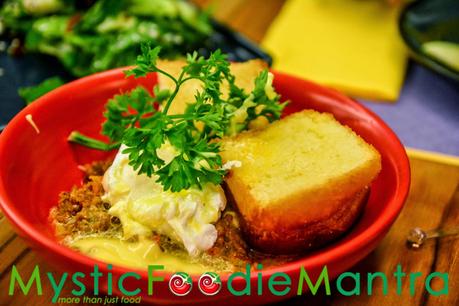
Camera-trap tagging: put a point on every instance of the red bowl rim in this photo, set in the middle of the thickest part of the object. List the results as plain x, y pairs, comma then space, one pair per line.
372, 232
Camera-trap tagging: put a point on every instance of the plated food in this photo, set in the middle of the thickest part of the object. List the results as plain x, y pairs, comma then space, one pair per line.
77, 33
36, 167
207, 177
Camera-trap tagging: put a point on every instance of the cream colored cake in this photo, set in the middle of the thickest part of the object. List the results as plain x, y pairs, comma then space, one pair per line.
302, 182
245, 74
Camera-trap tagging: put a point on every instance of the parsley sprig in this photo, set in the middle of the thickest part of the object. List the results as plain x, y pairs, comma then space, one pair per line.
141, 122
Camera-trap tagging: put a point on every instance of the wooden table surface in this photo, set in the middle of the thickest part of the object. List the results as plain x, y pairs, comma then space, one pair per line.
433, 201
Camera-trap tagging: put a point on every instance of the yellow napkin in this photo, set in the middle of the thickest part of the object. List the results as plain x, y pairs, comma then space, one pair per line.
351, 45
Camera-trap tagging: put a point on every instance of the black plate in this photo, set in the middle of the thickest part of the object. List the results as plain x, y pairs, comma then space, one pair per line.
428, 20
31, 69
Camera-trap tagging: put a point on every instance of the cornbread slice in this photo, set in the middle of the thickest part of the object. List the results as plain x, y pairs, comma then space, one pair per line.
302, 182
245, 73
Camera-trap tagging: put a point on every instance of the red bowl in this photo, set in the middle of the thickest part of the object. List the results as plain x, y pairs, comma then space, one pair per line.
36, 167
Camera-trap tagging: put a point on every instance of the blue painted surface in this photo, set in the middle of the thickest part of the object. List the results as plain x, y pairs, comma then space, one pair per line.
426, 116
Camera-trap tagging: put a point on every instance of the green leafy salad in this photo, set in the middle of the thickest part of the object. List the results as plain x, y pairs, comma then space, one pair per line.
91, 36
140, 121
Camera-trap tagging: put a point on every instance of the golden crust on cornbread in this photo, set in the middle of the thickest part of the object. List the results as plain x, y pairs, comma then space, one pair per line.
302, 182
245, 74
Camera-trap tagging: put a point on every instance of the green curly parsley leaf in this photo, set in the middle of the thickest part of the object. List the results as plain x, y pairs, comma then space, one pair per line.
142, 124
146, 62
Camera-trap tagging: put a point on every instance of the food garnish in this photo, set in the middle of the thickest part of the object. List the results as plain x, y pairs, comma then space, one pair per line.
142, 124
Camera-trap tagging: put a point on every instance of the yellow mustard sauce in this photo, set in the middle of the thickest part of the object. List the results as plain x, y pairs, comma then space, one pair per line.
145, 252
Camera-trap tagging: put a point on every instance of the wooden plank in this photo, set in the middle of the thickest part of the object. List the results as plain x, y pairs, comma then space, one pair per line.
10, 253
252, 18
6, 232
447, 259
25, 266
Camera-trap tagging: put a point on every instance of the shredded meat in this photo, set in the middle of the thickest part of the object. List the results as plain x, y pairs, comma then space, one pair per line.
230, 244
82, 211
96, 168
